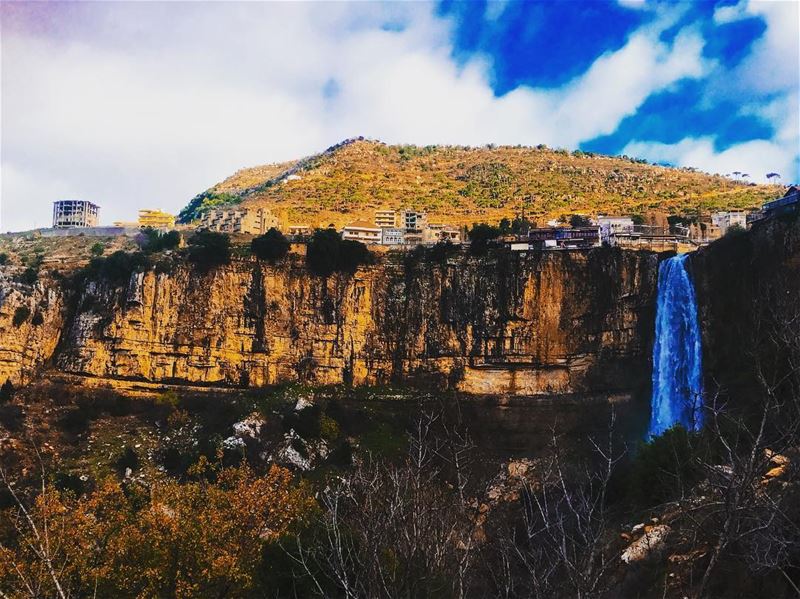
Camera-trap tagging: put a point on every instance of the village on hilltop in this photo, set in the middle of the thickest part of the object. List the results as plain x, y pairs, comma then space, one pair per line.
407, 228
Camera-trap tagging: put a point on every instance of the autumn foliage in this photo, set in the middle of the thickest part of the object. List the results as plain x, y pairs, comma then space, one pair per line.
195, 539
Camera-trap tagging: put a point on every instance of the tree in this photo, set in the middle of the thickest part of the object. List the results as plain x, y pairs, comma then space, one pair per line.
97, 249
327, 253
21, 314
209, 249
771, 176
3, 259
271, 246
578, 220
196, 539
480, 236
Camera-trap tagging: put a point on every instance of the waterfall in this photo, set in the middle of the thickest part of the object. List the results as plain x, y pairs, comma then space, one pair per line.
677, 356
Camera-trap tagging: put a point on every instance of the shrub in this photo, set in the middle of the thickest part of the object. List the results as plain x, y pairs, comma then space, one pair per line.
7, 391
3, 258
209, 249
271, 246
441, 251
97, 249
118, 267
152, 240
38, 319
128, 458
29, 276
21, 314
664, 467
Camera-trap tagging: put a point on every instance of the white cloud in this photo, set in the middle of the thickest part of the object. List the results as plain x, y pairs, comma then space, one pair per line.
145, 104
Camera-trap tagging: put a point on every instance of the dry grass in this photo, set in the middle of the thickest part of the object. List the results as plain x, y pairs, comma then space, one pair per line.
463, 185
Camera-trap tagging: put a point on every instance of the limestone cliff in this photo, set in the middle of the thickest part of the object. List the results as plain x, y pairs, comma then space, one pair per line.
555, 322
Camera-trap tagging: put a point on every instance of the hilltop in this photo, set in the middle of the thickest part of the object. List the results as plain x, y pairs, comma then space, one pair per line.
461, 185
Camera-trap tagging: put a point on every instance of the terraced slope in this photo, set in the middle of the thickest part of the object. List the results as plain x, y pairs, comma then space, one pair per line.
462, 185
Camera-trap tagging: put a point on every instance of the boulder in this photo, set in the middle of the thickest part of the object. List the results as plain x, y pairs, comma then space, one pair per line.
648, 545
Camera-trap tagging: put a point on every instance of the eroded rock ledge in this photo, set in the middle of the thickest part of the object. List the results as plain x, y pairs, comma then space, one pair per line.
555, 322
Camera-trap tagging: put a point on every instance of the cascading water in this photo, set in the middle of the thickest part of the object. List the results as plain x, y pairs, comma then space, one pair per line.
677, 356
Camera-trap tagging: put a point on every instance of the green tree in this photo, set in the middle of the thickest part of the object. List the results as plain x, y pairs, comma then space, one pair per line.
21, 314
3, 258
480, 236
578, 220
209, 249
97, 249
271, 246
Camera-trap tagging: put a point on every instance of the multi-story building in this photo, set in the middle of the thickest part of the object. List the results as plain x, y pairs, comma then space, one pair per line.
393, 236
363, 232
611, 226
248, 221
436, 232
725, 220
413, 221
155, 219
385, 218
70, 214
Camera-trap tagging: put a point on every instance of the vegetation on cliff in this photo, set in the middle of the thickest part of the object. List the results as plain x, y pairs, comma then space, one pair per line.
463, 185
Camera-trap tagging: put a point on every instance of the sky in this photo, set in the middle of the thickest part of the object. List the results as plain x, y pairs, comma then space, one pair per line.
145, 104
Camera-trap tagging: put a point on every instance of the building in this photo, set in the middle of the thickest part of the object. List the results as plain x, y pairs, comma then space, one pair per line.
560, 238
704, 232
71, 214
611, 226
155, 219
436, 232
299, 231
362, 231
413, 221
789, 203
247, 221
393, 236
725, 220
385, 218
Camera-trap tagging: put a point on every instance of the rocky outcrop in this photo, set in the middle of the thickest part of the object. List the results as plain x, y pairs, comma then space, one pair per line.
545, 323
31, 320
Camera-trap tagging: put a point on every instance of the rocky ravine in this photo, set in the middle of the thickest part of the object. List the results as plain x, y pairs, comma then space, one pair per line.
546, 323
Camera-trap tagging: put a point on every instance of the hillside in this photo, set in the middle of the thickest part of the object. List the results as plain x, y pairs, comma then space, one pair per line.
461, 185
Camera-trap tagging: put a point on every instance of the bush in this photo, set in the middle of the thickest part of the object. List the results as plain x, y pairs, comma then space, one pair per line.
21, 314
664, 467
209, 249
271, 246
152, 240
327, 253
29, 276
7, 391
118, 267
441, 251
38, 319
128, 458
480, 236
3, 258
97, 249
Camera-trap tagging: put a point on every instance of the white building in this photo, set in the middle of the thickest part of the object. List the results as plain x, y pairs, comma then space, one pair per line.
363, 232
725, 220
611, 226
71, 214
393, 236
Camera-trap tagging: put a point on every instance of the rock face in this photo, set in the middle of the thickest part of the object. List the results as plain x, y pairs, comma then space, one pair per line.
747, 289
555, 322
27, 343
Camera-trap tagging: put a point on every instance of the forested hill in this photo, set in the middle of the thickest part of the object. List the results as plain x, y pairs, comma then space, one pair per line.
459, 184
